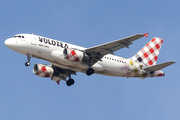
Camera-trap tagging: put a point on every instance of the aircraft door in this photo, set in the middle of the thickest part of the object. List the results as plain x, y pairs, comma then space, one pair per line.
37, 50
33, 40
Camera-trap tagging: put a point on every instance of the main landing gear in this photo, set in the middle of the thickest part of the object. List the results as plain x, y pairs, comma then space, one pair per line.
89, 71
28, 62
70, 82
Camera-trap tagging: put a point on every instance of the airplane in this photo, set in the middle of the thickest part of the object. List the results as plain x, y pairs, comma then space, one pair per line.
68, 59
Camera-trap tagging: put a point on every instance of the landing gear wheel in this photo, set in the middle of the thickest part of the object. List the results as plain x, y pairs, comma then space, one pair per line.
90, 71
70, 82
27, 64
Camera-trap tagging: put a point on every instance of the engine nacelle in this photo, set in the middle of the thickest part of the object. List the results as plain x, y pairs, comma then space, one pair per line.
74, 55
43, 70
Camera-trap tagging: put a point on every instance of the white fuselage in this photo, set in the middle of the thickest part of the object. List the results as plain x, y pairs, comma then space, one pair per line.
52, 51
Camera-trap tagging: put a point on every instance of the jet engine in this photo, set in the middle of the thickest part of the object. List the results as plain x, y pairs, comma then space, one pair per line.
43, 70
74, 55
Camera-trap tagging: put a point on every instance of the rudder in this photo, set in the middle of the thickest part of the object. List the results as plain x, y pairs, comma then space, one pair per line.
149, 53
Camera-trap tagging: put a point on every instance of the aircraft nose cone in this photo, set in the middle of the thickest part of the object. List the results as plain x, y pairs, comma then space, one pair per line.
7, 43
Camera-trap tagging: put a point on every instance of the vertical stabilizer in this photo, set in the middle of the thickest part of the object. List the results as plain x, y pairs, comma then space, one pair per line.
149, 53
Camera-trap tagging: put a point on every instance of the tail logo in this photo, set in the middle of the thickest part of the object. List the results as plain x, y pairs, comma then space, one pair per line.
149, 53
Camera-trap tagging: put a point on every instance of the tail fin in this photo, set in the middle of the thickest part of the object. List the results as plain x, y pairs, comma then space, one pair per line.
149, 53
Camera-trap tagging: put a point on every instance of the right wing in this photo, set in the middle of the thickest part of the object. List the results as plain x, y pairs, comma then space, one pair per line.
61, 74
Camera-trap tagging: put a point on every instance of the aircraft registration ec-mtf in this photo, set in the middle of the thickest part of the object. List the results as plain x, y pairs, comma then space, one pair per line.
67, 59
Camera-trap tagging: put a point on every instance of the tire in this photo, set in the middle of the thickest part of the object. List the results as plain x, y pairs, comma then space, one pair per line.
90, 71
27, 64
70, 82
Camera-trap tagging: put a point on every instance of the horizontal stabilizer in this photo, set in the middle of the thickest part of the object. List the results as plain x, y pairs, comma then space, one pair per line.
158, 67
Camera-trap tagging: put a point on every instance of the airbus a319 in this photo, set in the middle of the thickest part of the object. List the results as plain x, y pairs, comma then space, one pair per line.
67, 59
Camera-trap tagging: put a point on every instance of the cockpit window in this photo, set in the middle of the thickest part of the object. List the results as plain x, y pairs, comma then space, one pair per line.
18, 36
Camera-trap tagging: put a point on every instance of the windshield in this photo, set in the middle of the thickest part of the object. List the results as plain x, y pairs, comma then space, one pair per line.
18, 36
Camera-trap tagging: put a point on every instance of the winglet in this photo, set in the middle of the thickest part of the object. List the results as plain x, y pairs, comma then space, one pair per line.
57, 82
146, 35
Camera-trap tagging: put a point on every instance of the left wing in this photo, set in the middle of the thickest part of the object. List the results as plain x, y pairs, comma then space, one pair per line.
97, 52
114, 45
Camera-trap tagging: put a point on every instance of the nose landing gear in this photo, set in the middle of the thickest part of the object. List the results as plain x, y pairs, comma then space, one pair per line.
28, 62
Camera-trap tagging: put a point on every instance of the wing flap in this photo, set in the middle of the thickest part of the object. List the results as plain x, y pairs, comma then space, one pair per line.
159, 66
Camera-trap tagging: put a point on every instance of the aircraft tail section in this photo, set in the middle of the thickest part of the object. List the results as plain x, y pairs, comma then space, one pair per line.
158, 67
149, 53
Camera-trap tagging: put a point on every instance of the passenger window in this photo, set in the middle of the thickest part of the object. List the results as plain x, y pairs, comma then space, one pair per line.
19, 36
22, 36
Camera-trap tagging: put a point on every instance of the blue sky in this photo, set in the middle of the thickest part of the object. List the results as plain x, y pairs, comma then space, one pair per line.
24, 96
